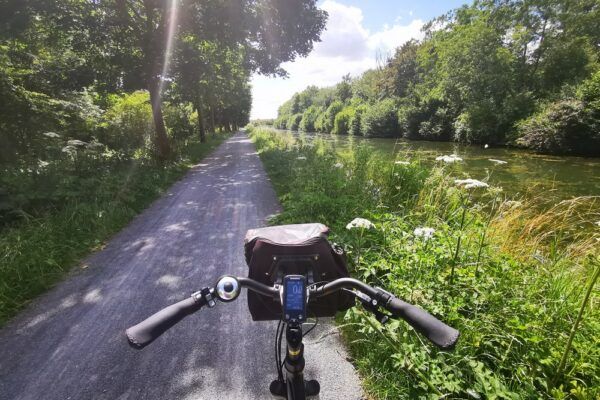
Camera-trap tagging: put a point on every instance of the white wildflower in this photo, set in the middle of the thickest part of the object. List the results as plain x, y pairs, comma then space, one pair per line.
452, 158
43, 164
513, 203
94, 145
338, 165
69, 149
470, 183
495, 161
424, 232
486, 146
52, 135
301, 158
76, 142
360, 223
402, 163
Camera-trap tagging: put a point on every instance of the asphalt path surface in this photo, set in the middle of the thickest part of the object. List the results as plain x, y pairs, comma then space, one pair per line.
70, 343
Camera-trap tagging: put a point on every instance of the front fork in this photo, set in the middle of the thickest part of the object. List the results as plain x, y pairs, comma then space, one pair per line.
294, 387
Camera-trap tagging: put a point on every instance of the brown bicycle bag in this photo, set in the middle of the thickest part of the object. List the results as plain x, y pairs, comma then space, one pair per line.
302, 249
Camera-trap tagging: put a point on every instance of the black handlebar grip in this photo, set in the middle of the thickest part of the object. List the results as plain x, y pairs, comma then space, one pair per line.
144, 333
440, 334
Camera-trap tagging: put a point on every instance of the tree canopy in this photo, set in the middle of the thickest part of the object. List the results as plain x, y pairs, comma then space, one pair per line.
199, 52
490, 72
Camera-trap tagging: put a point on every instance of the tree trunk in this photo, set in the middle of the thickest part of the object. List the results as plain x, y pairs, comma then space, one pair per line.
154, 47
201, 129
540, 50
212, 120
162, 141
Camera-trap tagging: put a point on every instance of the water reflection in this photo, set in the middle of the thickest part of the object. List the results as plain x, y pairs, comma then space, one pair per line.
524, 172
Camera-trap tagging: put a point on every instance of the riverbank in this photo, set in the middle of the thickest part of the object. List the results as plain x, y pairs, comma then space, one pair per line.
510, 279
37, 252
521, 173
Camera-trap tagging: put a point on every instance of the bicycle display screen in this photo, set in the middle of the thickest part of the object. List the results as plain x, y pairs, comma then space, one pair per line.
294, 298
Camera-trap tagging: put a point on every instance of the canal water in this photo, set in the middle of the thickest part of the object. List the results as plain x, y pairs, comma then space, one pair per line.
524, 173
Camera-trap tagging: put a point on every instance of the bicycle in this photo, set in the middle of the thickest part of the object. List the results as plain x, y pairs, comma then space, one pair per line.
294, 294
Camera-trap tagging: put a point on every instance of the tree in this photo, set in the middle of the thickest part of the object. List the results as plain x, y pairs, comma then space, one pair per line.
251, 24
468, 68
401, 70
380, 120
343, 90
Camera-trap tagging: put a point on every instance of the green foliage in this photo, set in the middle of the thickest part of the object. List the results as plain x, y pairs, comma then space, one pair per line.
480, 73
329, 115
368, 87
73, 204
262, 122
342, 121
355, 121
589, 91
402, 70
380, 119
294, 122
309, 117
181, 121
85, 92
343, 90
431, 119
469, 68
563, 127
515, 312
570, 126
281, 122
128, 122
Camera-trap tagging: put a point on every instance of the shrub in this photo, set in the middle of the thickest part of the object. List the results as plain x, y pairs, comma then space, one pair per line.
294, 122
181, 121
564, 127
73, 204
380, 120
341, 123
430, 120
320, 123
438, 126
128, 123
354, 128
281, 122
310, 115
589, 91
25, 115
329, 115
488, 122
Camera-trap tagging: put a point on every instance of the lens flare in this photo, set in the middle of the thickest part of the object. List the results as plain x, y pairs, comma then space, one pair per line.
171, 31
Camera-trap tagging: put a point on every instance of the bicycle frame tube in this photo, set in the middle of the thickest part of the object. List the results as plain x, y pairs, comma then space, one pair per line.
294, 363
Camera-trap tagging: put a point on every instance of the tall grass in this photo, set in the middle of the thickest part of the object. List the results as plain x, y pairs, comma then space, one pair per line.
39, 250
511, 279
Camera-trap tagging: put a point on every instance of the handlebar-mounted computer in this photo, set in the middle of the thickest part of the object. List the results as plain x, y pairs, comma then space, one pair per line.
294, 299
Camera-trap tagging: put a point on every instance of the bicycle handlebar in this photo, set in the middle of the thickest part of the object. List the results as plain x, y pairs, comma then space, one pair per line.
144, 333
440, 334
433, 329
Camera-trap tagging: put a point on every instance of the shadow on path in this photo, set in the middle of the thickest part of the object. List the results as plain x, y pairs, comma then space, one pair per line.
69, 344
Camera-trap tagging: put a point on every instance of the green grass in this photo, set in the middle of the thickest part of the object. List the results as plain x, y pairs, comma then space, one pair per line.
37, 252
504, 275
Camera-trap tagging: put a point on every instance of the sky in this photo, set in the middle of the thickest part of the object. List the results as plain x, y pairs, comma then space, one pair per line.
358, 32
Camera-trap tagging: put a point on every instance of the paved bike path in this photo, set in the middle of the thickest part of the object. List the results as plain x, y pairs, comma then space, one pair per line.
69, 344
